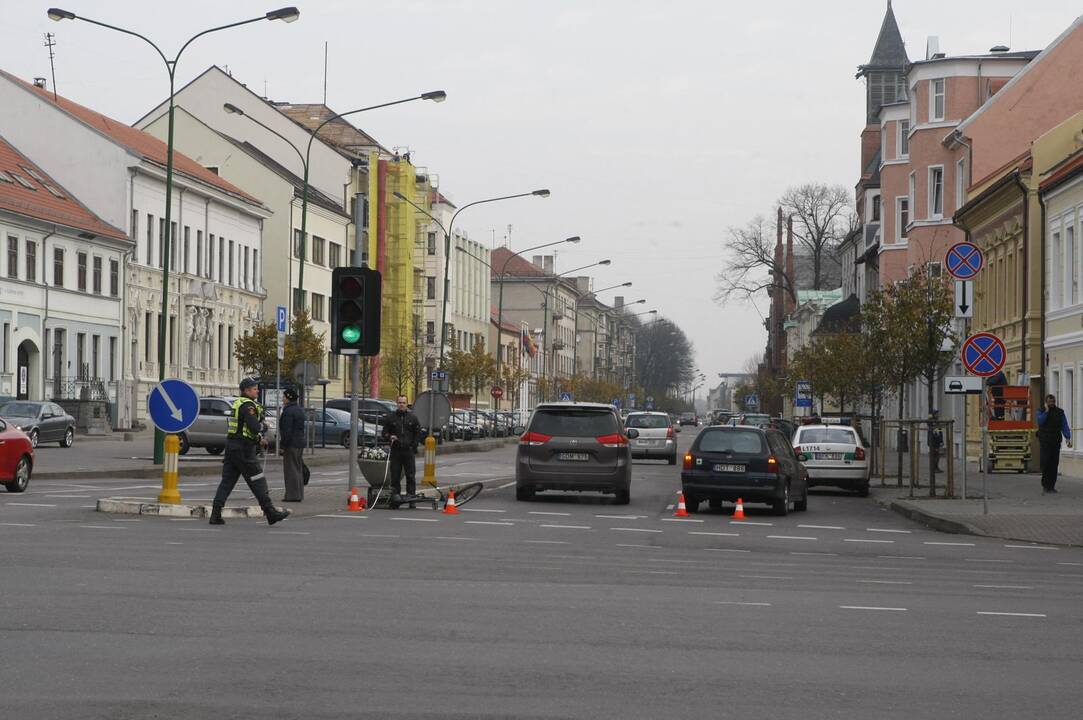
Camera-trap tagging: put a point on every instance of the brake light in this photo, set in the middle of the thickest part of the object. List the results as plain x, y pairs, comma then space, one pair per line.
669, 432
534, 438
613, 441
859, 454
800, 455
688, 461
772, 464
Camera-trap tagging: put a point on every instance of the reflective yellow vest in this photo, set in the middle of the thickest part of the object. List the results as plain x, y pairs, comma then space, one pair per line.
238, 428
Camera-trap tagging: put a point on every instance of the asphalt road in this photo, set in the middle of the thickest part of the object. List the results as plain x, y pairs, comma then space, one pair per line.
566, 607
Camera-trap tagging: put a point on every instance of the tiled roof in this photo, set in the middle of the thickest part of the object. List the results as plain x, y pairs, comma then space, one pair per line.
890, 51
37, 199
339, 133
1064, 171
139, 142
502, 259
506, 326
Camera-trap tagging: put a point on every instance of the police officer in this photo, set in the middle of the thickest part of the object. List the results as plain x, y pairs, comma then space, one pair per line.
242, 442
403, 430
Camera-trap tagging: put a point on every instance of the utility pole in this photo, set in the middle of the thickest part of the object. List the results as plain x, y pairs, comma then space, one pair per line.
50, 43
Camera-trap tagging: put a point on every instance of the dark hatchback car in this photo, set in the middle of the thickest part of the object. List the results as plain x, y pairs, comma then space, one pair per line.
579, 447
41, 421
755, 464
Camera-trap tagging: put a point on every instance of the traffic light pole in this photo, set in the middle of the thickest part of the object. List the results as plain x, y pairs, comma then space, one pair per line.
355, 380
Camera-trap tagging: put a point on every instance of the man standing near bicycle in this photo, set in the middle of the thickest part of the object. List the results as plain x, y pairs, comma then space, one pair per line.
403, 430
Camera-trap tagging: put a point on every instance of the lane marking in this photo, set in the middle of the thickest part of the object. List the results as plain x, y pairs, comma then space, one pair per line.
568, 527
287, 532
504, 486
410, 519
649, 572
174, 542
790, 537
749, 522
200, 529
449, 537
488, 522
541, 512
68, 497
765, 577
20, 504
903, 532
825, 554
651, 547
727, 550
6, 524
713, 534
950, 544
482, 510
548, 542
104, 527
886, 582
901, 557
687, 520
1013, 614
1066, 563
1005, 587
643, 530
379, 535
868, 607
747, 604
822, 527
988, 561
1032, 547
863, 540
621, 517
668, 560
352, 516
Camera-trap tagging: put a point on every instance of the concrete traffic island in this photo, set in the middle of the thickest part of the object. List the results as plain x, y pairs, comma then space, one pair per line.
145, 506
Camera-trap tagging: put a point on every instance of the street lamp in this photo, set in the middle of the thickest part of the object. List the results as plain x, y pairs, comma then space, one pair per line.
286, 14
543, 193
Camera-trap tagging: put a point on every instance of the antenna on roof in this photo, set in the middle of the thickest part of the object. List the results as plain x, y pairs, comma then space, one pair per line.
324, 72
50, 43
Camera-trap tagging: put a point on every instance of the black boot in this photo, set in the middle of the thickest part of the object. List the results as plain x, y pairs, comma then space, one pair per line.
216, 516
275, 515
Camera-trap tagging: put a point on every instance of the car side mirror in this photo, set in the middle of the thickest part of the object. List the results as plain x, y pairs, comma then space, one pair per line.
632, 433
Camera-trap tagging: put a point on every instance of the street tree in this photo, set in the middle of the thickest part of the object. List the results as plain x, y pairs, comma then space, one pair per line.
750, 266
257, 352
480, 369
822, 216
664, 357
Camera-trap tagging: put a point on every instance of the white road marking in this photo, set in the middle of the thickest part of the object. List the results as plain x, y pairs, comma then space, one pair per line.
174, 542
287, 532
449, 537
988, 561
903, 532
504, 486
1032, 547
19, 524
815, 553
104, 527
862, 540
31, 504
621, 517
487, 522
901, 557
1005, 587
669, 560
378, 535
886, 582
790, 537
541, 512
200, 529
127, 520
548, 542
748, 604
866, 607
482, 510
643, 530
951, 544
568, 527
669, 507
822, 527
67, 497
1070, 563
649, 572
650, 547
765, 577
713, 534
726, 550
1013, 614
351, 516
749, 522
688, 520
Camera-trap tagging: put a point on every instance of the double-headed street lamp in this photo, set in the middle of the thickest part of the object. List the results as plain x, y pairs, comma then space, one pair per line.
286, 14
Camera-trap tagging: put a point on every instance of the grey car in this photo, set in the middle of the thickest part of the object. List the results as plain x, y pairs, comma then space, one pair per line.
580, 447
331, 426
41, 421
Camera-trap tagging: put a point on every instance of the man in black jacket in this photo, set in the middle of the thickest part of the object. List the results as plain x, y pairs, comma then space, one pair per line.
403, 430
291, 445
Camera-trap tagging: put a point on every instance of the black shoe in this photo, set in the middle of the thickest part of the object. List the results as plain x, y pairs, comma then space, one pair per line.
276, 515
285, 499
1053, 490
216, 517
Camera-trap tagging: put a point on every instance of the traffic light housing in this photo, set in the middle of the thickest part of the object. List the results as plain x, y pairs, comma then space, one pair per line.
355, 311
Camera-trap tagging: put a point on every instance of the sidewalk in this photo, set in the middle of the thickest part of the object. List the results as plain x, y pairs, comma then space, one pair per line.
1017, 510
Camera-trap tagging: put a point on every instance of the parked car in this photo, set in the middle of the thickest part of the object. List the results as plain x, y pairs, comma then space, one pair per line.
580, 447
16, 458
689, 418
211, 427
332, 427
371, 410
462, 427
834, 455
656, 437
755, 464
786, 427
760, 420
41, 421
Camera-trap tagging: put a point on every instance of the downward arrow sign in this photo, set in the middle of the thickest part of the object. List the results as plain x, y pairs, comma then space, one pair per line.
173, 409
963, 305
964, 290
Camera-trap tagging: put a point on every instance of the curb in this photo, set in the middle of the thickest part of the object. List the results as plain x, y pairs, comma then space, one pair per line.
956, 527
140, 506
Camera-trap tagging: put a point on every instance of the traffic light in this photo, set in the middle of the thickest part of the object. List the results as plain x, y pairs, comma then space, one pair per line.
355, 311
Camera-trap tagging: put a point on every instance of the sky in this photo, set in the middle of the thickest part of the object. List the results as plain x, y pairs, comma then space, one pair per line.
655, 125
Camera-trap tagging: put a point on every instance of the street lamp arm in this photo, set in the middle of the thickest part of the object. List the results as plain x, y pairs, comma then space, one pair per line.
504, 267
168, 63
424, 212
338, 116
490, 200
230, 108
216, 29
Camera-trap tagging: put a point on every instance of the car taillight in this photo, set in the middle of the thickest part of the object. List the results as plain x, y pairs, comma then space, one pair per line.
772, 464
688, 461
534, 438
859, 454
800, 454
612, 441
669, 433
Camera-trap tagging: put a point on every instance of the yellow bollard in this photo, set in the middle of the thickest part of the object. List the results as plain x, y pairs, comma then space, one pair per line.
429, 478
170, 494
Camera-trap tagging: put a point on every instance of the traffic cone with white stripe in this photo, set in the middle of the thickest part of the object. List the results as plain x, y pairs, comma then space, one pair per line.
450, 508
739, 512
355, 503
682, 509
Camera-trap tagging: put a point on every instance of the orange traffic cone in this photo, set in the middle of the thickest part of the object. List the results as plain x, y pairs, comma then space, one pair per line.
682, 509
450, 508
355, 503
739, 512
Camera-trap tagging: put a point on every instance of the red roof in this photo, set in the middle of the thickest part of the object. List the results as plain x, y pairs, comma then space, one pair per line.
39, 200
504, 260
136, 140
506, 326
1067, 169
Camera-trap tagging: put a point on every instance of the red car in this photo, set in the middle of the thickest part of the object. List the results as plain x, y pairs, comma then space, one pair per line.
16, 458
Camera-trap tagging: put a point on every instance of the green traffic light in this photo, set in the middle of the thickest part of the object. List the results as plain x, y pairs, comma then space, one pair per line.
351, 334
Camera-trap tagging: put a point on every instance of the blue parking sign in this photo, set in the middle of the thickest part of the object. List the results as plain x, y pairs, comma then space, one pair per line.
280, 318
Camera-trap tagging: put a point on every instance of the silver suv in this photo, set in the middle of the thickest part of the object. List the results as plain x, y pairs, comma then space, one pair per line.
656, 437
212, 425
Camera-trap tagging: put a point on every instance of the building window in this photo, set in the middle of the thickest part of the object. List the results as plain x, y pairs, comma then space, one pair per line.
902, 217
318, 245
960, 183
210, 256
430, 287
96, 278
335, 255
936, 192
80, 271
148, 324
172, 338
298, 300
244, 269
229, 349
173, 245
199, 253
95, 355
1072, 277
431, 247
255, 270
935, 269
221, 258
937, 100
430, 332
13, 258
114, 278
134, 234
187, 248
218, 349
81, 370
112, 359
875, 208
902, 143
58, 267
162, 242
298, 251
317, 307
150, 240
231, 252
1055, 288
31, 261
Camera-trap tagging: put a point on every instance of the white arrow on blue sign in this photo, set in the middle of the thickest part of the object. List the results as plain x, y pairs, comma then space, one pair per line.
280, 318
173, 405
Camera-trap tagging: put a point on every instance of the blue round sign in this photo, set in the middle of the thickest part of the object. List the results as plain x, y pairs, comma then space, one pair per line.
173, 405
964, 260
984, 354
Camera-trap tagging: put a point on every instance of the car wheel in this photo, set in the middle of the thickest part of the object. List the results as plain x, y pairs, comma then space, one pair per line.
22, 476
691, 503
715, 504
673, 459
782, 507
345, 440
802, 504
69, 438
34, 437
622, 497
214, 450
863, 490
524, 493
185, 446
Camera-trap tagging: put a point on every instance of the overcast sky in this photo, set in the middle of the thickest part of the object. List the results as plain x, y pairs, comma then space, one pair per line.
656, 125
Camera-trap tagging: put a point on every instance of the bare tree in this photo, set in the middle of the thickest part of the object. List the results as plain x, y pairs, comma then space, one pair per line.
822, 217
750, 263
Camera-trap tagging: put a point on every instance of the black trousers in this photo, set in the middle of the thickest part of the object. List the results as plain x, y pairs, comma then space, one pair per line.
1050, 459
240, 459
402, 461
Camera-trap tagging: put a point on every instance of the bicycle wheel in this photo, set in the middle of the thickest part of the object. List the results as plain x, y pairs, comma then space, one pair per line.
466, 493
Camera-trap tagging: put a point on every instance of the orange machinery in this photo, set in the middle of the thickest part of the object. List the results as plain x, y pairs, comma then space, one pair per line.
1011, 426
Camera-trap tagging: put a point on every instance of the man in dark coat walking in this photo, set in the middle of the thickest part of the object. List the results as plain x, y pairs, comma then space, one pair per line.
1052, 425
403, 430
291, 445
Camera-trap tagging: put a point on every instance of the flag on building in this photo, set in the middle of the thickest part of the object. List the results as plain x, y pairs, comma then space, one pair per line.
529, 347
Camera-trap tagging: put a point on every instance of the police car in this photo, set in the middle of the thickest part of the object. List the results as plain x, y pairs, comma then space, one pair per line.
834, 455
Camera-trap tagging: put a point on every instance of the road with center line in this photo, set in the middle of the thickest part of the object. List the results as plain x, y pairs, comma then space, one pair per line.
562, 607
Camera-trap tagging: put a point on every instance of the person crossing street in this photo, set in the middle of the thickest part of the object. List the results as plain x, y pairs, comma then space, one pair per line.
403, 430
244, 439
291, 445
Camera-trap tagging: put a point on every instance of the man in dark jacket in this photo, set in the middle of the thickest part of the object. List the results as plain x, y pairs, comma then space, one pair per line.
403, 430
1052, 424
291, 445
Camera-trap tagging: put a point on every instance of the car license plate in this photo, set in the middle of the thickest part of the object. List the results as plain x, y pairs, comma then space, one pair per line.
729, 468
827, 456
577, 457
645, 442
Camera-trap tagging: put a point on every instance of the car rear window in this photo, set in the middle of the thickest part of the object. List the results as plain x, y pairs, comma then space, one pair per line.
648, 421
573, 422
839, 436
736, 441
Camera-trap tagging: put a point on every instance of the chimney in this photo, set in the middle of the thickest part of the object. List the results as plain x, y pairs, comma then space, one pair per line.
537, 261
582, 284
39, 82
548, 264
618, 302
997, 49
790, 273
932, 47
